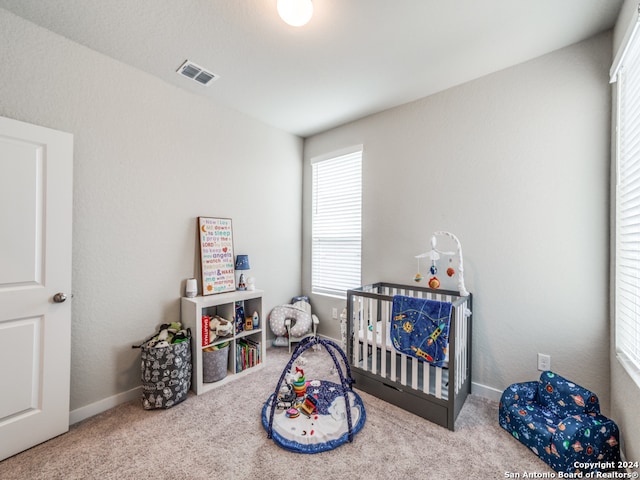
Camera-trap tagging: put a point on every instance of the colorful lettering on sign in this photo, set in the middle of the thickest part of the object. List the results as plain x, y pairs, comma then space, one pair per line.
216, 250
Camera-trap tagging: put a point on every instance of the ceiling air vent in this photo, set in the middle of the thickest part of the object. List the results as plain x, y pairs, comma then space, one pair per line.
197, 73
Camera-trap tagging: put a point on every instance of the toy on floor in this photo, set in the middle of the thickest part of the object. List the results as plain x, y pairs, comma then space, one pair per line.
286, 396
434, 255
299, 383
320, 415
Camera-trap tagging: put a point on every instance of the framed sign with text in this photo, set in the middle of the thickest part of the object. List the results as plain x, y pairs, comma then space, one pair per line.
216, 255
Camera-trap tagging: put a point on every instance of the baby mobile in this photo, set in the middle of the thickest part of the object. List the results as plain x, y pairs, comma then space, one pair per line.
434, 255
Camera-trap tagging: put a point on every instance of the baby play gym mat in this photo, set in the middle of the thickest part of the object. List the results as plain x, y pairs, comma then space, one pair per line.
310, 416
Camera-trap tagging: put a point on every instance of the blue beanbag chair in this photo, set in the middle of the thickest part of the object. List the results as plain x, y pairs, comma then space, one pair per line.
561, 423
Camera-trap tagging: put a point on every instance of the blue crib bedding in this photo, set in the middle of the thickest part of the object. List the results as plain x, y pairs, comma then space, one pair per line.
420, 328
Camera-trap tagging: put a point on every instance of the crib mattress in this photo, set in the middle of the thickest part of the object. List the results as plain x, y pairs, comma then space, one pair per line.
379, 339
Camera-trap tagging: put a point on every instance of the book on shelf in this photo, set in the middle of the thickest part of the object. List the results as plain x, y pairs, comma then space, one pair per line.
239, 316
248, 354
206, 320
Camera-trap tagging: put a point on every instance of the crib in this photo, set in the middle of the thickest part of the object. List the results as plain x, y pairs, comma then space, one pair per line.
434, 393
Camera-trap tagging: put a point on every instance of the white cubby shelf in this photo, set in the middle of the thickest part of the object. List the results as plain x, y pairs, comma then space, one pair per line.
224, 305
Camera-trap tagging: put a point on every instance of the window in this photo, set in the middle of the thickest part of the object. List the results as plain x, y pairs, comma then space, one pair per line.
626, 72
336, 222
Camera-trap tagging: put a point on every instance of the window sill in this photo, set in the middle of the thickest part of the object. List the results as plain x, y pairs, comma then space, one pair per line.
632, 369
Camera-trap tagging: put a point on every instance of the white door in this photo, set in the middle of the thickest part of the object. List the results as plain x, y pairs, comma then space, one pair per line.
35, 264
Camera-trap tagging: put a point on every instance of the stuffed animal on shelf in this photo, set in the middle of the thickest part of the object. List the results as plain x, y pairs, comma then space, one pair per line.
219, 327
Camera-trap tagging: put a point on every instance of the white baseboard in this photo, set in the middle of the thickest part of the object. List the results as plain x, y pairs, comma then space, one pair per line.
87, 411
489, 393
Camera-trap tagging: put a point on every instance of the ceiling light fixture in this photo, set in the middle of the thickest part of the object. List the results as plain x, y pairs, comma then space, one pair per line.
295, 12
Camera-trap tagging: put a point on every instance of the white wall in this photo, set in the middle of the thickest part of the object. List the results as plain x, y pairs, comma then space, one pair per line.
625, 394
149, 158
516, 165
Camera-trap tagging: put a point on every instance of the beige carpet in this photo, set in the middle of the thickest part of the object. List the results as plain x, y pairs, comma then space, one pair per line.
220, 435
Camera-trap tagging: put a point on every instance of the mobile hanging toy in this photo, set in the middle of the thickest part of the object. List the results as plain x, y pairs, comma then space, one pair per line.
450, 271
434, 255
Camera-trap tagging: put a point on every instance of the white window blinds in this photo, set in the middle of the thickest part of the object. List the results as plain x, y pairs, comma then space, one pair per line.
626, 71
336, 223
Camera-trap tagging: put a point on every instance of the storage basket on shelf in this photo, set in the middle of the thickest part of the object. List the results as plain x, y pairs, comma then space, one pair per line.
215, 363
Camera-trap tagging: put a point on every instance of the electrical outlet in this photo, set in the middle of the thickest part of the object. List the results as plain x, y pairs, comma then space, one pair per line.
544, 362
334, 313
